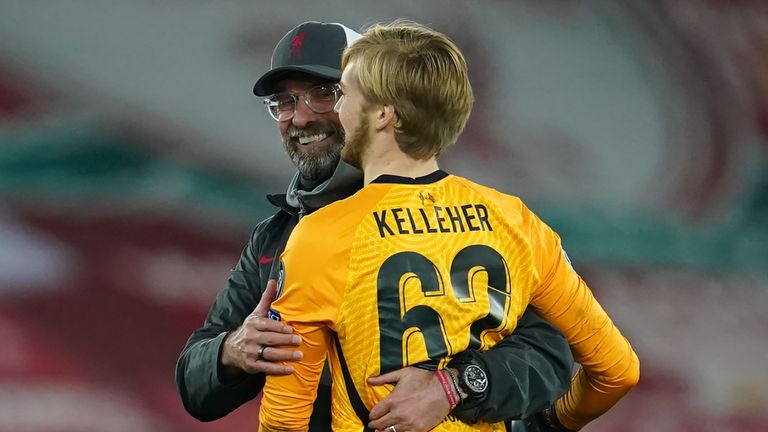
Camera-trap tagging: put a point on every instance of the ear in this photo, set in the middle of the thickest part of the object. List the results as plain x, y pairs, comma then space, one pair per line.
385, 116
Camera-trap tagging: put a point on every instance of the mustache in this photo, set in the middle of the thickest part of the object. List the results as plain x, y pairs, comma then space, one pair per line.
297, 132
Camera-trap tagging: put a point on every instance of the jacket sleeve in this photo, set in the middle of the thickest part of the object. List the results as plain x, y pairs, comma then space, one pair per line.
527, 371
207, 391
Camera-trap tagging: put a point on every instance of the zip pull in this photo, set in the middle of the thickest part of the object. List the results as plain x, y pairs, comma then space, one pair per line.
302, 208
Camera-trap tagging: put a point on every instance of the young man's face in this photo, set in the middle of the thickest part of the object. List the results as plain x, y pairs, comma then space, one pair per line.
313, 140
352, 115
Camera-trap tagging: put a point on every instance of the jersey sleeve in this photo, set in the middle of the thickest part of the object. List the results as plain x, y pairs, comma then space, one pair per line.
610, 367
309, 295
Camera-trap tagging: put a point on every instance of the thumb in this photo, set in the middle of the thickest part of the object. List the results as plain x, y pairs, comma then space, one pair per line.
387, 378
267, 297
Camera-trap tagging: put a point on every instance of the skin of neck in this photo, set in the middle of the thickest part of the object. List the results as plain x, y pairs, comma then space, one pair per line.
383, 156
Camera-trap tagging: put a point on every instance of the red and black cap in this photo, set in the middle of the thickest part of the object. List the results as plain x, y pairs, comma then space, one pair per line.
313, 48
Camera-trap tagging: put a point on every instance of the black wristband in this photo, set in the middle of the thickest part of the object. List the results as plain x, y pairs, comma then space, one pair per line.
454, 375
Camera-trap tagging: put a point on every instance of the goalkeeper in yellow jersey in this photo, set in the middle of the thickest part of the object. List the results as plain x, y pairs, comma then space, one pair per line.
421, 265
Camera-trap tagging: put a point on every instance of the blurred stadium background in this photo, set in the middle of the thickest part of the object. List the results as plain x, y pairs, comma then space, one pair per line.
134, 160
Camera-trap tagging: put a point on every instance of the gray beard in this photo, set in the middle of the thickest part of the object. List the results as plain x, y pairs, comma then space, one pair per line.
317, 166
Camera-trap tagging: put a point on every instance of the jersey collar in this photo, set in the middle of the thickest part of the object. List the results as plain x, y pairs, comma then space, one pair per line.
427, 179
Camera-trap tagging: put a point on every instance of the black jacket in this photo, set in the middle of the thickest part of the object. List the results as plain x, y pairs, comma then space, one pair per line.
527, 371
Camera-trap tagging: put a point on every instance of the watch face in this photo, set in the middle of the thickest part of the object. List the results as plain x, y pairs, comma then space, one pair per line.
475, 379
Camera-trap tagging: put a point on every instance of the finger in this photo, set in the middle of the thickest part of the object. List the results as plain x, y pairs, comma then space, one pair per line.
380, 409
269, 368
383, 423
387, 378
267, 297
262, 324
273, 338
278, 354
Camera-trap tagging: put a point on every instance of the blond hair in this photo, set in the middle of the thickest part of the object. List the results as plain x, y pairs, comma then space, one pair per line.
423, 75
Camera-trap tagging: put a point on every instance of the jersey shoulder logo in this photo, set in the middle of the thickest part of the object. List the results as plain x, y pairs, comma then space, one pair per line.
567, 259
272, 313
426, 197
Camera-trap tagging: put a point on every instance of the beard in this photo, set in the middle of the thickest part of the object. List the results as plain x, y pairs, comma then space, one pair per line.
315, 164
356, 143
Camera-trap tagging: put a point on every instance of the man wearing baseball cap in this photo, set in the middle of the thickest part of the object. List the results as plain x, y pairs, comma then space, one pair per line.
224, 363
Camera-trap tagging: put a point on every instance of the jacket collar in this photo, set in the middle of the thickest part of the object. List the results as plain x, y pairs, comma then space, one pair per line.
345, 181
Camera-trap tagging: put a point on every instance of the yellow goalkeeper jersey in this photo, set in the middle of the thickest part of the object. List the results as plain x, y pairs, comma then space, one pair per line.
414, 271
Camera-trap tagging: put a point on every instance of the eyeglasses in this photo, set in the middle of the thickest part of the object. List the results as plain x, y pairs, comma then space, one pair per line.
320, 99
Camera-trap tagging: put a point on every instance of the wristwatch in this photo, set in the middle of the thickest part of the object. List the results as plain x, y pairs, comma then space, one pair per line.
473, 379
474, 385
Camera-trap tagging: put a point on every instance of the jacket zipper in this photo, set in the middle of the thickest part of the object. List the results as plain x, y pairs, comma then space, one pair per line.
302, 209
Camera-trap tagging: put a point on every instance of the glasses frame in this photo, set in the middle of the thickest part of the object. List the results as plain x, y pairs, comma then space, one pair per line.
269, 101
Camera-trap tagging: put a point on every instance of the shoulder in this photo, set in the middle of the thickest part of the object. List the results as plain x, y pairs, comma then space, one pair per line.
271, 226
263, 225
510, 204
341, 216
325, 236
263, 240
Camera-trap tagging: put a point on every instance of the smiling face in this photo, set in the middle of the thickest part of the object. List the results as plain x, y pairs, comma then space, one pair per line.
313, 141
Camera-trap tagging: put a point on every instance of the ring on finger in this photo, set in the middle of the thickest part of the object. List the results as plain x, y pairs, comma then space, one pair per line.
392, 429
260, 352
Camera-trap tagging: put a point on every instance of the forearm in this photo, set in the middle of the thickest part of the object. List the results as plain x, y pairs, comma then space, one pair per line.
288, 400
207, 394
526, 371
610, 367
600, 384
206, 390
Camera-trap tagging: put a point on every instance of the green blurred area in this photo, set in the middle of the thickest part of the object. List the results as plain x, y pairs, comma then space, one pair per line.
95, 166
91, 164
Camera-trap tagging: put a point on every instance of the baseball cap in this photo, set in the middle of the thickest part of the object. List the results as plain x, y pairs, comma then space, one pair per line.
313, 48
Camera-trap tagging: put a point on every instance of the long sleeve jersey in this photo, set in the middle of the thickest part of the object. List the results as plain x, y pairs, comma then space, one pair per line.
415, 271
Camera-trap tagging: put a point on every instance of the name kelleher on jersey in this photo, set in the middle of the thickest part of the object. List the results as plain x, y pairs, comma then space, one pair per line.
434, 219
